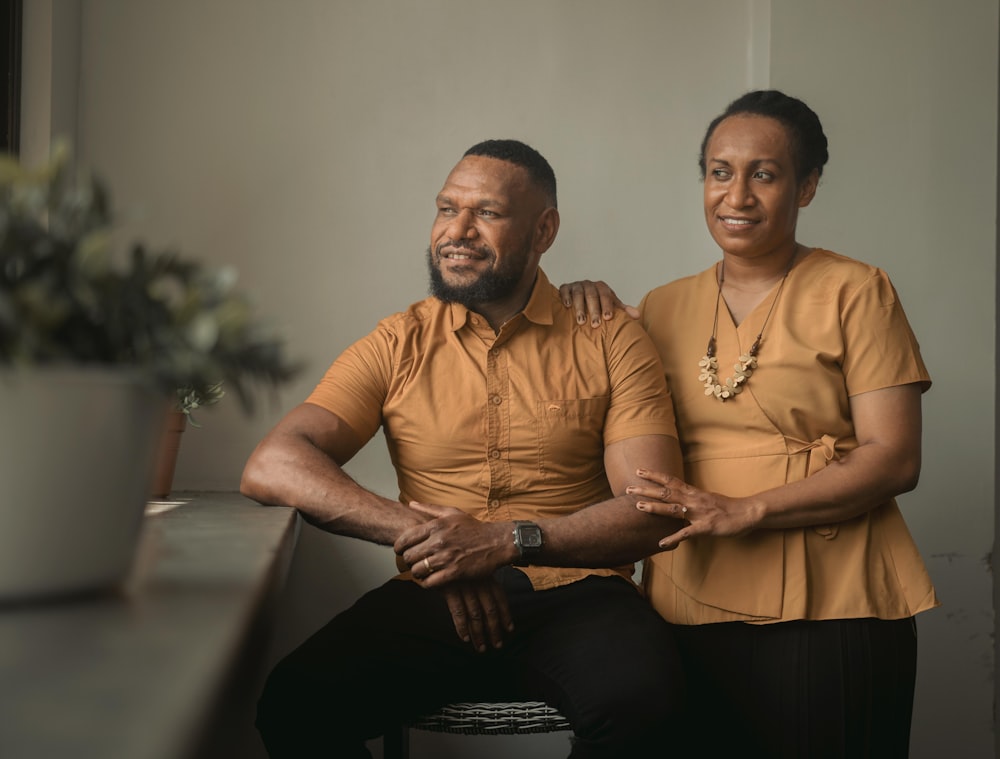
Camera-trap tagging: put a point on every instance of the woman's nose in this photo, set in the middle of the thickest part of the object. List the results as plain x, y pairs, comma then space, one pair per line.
738, 194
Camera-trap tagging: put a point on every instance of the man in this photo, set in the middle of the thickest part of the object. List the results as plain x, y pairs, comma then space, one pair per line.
514, 432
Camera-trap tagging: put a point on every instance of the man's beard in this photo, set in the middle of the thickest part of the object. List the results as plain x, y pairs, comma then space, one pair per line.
494, 284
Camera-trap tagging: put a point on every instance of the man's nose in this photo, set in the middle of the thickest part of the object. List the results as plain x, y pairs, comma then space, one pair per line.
463, 226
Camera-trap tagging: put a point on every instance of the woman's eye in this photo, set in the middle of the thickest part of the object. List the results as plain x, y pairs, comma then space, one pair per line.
764, 176
720, 174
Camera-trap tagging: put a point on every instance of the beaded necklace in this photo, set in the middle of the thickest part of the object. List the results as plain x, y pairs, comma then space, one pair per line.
709, 364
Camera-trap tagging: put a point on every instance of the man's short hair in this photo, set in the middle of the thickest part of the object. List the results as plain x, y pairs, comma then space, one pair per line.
525, 156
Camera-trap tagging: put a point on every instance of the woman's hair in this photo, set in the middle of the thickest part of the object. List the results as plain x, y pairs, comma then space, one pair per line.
808, 143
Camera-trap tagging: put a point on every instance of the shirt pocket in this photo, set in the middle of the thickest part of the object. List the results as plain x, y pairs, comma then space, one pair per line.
571, 438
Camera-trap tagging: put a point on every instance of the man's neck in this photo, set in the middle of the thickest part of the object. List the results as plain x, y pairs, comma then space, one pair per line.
499, 312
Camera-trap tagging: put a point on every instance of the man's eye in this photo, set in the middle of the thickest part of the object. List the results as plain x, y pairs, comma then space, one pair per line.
486, 212
445, 211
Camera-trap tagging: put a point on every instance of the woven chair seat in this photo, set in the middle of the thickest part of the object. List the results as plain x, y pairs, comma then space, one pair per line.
510, 718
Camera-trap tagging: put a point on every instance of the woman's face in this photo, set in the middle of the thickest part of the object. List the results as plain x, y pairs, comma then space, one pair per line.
752, 198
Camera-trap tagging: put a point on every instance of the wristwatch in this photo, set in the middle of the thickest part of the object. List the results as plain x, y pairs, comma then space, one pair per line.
528, 539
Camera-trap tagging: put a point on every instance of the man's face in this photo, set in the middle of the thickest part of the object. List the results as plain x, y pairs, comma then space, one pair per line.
483, 247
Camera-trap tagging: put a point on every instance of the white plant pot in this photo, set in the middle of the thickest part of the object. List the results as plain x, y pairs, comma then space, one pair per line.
76, 456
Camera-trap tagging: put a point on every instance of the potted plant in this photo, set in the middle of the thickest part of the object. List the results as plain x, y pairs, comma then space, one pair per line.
93, 346
187, 401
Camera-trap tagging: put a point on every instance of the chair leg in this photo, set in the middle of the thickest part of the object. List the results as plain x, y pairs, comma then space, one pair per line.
396, 743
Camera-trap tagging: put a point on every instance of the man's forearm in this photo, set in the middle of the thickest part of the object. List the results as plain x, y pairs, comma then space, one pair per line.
457, 547
606, 534
299, 475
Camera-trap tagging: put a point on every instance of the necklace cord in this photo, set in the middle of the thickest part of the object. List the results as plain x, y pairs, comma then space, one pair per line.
709, 364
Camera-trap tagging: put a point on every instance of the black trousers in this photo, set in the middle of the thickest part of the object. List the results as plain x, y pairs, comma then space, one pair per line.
837, 689
595, 650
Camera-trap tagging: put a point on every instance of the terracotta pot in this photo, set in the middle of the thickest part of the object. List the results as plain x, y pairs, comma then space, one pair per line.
166, 460
76, 456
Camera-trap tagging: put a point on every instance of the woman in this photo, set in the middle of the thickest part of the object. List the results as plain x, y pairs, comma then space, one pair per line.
794, 584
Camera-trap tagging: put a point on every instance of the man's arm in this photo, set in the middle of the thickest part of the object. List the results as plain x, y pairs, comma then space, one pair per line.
298, 464
605, 534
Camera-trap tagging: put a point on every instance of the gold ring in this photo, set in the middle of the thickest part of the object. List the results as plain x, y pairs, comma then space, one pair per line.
428, 567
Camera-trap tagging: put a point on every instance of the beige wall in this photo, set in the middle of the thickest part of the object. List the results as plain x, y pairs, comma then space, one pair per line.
303, 142
908, 93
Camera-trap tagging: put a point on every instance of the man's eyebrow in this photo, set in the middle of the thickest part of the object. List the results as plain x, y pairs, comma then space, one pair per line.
480, 203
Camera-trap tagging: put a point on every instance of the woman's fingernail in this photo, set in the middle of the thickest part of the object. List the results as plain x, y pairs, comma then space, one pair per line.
642, 506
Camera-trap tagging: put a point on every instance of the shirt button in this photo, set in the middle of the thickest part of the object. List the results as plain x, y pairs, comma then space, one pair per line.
495, 454
497, 400
495, 504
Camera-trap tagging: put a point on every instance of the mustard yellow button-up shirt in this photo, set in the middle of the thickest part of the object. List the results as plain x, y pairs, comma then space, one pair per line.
503, 426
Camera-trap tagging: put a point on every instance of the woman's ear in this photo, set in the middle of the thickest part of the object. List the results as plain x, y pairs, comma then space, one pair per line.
807, 190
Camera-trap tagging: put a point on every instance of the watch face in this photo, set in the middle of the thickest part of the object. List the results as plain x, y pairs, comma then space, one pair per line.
530, 535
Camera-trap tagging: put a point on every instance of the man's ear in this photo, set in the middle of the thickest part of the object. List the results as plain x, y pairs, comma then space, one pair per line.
546, 229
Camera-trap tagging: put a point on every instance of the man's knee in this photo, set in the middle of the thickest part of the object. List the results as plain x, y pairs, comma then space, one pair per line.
299, 717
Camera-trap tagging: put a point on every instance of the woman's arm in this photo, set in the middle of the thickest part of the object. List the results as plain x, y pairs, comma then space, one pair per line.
886, 463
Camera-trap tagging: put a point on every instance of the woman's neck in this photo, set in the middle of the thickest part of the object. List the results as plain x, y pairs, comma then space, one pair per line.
745, 283
758, 274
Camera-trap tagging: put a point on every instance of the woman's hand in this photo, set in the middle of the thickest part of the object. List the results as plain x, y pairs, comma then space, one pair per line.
706, 513
593, 300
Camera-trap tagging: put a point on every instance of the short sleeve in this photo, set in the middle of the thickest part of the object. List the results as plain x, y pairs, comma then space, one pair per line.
640, 399
356, 384
880, 347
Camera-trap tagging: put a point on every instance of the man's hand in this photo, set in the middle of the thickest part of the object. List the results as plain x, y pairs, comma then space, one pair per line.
593, 301
480, 613
454, 546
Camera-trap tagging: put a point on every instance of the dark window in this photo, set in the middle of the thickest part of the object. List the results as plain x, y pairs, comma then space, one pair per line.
10, 98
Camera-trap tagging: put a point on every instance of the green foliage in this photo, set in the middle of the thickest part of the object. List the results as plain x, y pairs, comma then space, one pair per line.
189, 400
65, 298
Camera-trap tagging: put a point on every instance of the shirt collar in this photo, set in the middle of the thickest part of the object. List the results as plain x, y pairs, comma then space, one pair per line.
538, 308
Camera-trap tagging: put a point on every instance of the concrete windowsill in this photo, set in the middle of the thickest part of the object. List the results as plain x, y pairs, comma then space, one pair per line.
143, 672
